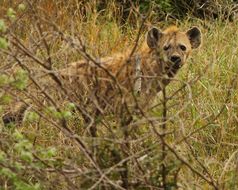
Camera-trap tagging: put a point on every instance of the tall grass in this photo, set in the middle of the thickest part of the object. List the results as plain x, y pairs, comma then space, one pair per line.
203, 116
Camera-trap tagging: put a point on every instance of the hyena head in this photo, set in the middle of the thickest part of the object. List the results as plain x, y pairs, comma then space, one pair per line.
172, 46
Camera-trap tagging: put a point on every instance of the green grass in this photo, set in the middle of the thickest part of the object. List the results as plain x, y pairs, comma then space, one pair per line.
214, 146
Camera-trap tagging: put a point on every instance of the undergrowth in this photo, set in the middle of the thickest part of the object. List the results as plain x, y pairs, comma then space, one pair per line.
202, 117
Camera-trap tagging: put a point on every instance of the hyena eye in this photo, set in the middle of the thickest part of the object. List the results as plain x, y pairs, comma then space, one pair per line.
182, 47
166, 47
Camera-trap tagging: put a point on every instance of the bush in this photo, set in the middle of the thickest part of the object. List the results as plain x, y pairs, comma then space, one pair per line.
187, 140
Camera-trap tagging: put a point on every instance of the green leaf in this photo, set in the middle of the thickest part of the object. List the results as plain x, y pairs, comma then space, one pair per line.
21, 79
21, 7
20, 185
7, 172
23, 145
32, 117
3, 43
71, 106
18, 166
5, 99
4, 80
53, 112
11, 13
2, 26
2, 156
17, 135
26, 156
66, 114
51, 152
10, 125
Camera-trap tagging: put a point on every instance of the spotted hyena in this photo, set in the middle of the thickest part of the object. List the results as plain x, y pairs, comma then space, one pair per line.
146, 71
106, 83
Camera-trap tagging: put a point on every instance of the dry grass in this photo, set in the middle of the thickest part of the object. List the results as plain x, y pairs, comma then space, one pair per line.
202, 116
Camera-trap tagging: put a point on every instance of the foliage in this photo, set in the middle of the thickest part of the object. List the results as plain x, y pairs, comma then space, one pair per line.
181, 8
53, 147
20, 167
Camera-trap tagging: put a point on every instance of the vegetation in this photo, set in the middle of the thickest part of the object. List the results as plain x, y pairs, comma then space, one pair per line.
188, 140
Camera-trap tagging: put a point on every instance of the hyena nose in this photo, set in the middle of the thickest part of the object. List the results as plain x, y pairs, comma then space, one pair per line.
175, 59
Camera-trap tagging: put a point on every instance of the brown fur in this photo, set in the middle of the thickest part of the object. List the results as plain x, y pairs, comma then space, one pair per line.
157, 66
106, 83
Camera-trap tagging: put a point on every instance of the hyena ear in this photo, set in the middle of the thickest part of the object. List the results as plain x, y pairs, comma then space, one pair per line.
194, 35
153, 36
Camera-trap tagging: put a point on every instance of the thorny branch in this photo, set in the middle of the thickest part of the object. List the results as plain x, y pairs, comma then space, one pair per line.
130, 119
